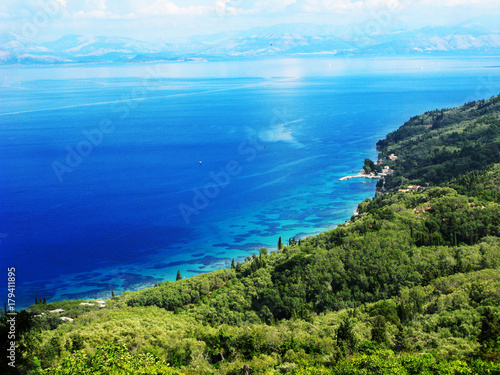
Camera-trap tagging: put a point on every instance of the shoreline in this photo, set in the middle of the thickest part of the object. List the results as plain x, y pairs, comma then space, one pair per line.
363, 175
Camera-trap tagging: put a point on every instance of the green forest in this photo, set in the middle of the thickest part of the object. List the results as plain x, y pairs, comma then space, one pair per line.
409, 285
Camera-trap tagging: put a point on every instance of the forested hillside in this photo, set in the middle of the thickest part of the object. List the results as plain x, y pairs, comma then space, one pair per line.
410, 285
440, 145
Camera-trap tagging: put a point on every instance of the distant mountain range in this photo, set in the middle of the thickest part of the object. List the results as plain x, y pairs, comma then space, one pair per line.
468, 38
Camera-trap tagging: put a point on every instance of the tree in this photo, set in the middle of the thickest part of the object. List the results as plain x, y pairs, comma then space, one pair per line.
44, 301
379, 330
490, 330
346, 339
233, 266
369, 166
263, 252
36, 300
280, 244
401, 341
112, 294
179, 276
246, 370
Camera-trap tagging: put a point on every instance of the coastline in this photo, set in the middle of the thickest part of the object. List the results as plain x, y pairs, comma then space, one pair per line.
363, 175
106, 279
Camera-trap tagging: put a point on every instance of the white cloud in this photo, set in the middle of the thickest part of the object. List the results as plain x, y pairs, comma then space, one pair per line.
343, 5
220, 5
61, 3
148, 18
99, 9
169, 8
95, 5
273, 6
224, 8
93, 9
460, 3
331, 6
391, 5
91, 14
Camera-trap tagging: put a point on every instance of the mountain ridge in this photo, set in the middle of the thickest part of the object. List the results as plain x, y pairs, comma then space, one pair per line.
393, 39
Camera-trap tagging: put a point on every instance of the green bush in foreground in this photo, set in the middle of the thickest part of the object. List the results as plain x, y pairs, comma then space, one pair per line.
115, 359
111, 359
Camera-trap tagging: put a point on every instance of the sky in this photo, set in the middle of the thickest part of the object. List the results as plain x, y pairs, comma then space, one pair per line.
152, 20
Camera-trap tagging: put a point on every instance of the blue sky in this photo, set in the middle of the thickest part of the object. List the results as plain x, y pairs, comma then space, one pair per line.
165, 19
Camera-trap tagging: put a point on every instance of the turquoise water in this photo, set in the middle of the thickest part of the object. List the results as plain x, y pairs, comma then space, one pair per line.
102, 187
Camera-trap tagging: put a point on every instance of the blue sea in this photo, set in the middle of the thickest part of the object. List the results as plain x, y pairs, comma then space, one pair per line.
113, 177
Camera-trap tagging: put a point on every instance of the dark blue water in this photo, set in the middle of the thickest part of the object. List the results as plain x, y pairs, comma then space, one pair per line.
100, 177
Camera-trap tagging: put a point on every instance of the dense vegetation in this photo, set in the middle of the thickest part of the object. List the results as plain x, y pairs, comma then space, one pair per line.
410, 285
440, 145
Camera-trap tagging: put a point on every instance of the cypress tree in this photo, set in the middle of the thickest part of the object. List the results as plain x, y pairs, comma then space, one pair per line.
36, 300
112, 294
233, 266
254, 266
280, 244
490, 330
401, 342
379, 330
345, 336
44, 301
179, 276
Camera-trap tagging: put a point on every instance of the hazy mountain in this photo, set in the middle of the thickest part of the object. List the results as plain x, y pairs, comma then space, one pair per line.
101, 48
476, 36
15, 49
89, 45
17, 44
485, 21
81, 48
12, 58
464, 38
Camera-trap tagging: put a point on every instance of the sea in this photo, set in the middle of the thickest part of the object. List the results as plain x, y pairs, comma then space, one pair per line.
115, 176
